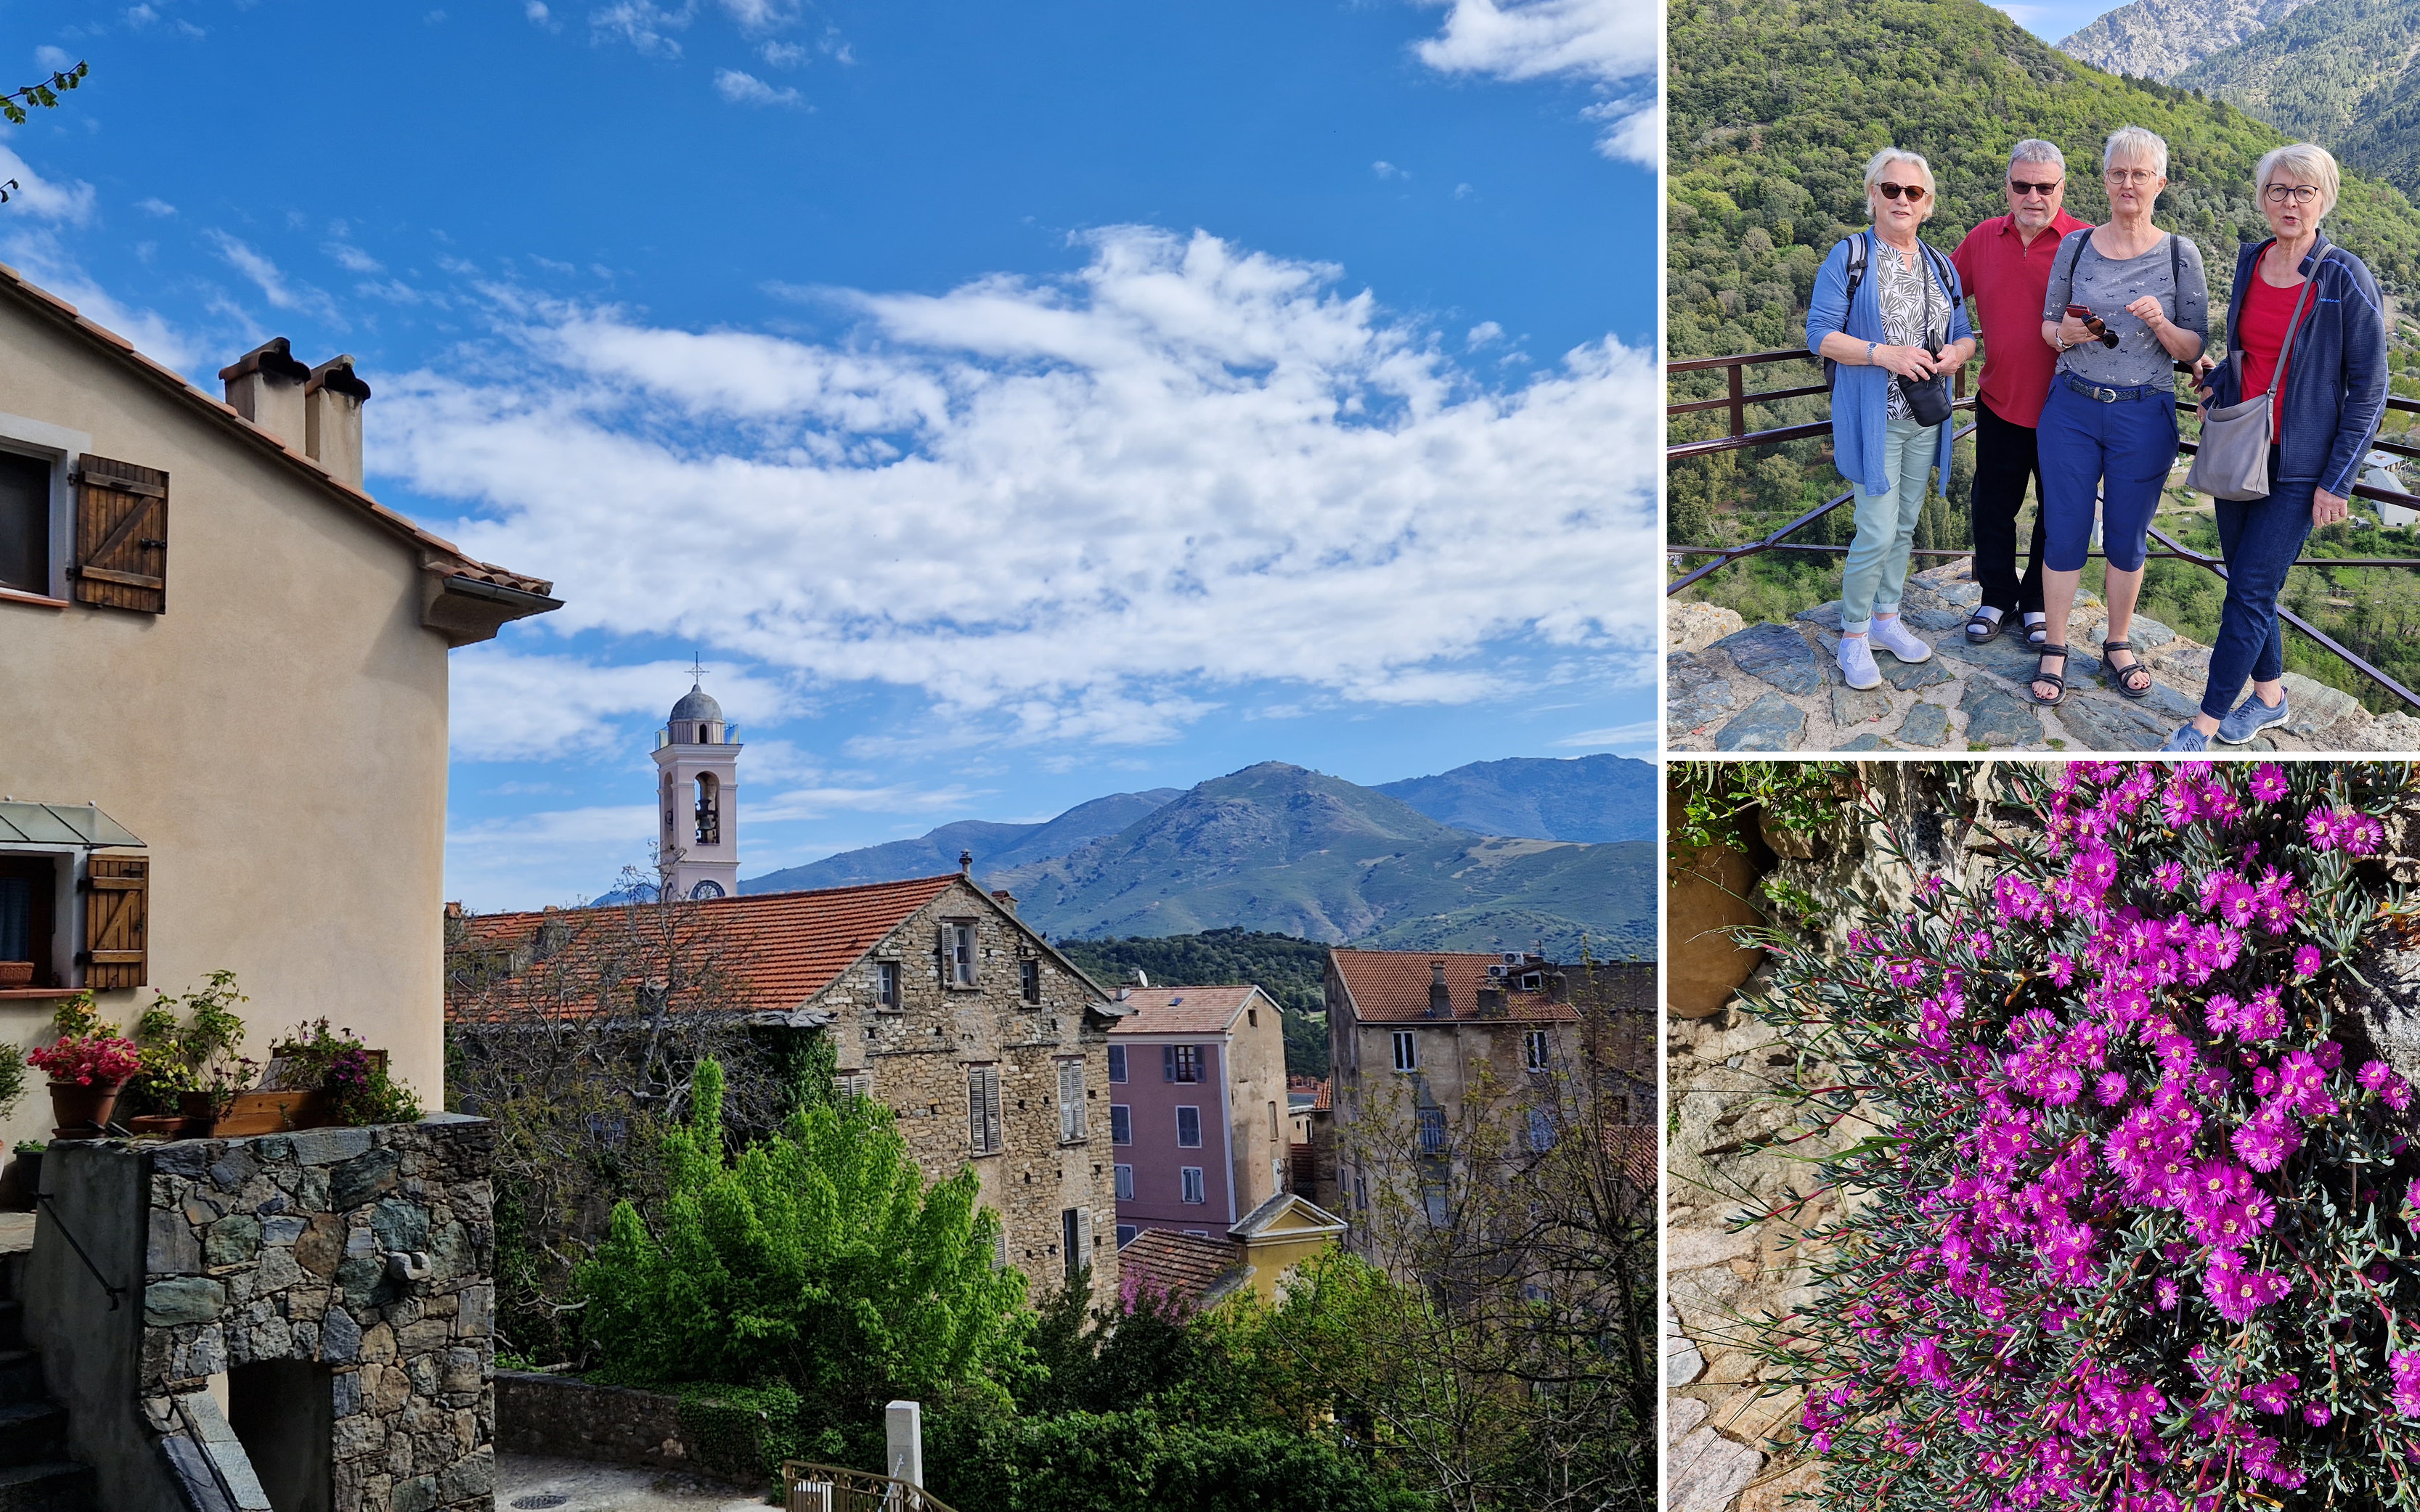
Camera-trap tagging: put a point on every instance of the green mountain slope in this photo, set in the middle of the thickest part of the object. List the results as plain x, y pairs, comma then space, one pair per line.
2338, 72
1291, 971
1579, 797
1278, 848
995, 847
2159, 38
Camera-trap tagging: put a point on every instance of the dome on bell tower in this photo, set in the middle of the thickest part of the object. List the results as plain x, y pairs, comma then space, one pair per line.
697, 703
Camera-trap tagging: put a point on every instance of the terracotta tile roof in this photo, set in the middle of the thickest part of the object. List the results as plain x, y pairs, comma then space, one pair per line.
440, 556
786, 947
1194, 1270
1312, 1086
1393, 985
1183, 1010
1633, 1145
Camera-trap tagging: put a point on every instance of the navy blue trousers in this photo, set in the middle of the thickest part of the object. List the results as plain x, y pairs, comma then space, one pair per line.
2114, 455
2259, 538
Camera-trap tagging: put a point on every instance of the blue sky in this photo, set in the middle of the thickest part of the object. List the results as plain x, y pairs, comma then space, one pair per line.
2054, 21
1010, 404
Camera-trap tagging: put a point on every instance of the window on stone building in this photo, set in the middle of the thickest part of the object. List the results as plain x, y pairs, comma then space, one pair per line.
1117, 1063
853, 1084
1195, 1189
1126, 1234
1071, 1102
1533, 1049
1189, 1128
958, 952
1126, 1183
1407, 1056
983, 1109
1028, 980
886, 984
1121, 1124
1181, 1062
1431, 1130
1076, 1237
1541, 1131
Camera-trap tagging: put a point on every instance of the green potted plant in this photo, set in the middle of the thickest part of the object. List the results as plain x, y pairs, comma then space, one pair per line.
350, 1078
188, 1045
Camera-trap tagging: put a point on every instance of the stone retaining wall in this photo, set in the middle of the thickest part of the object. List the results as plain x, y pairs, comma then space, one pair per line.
564, 1418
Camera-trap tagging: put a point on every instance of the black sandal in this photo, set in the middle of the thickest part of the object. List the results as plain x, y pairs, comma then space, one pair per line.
2037, 634
2125, 674
1981, 628
2056, 679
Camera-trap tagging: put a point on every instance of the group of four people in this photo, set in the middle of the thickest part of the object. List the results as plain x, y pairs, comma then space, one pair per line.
2085, 329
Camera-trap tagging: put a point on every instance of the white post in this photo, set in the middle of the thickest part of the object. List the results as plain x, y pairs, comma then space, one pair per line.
903, 1422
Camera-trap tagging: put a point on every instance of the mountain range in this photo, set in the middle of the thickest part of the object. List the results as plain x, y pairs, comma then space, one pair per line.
2161, 38
1280, 848
2338, 72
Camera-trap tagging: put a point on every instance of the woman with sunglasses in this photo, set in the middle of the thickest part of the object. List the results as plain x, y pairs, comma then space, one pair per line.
1887, 307
2330, 337
2127, 302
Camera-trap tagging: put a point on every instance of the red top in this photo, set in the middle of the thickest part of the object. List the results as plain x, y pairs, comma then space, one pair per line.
2261, 329
2009, 280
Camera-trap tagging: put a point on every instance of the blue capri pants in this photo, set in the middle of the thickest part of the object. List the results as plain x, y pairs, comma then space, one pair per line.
2118, 451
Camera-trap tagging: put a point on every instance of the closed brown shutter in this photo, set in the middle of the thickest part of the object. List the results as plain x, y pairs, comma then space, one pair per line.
121, 536
991, 1110
117, 922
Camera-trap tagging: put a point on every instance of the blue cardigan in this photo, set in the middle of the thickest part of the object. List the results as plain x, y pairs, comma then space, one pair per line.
1861, 393
2335, 383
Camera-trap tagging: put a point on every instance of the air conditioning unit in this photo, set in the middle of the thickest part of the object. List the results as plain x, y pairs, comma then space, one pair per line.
1498, 973
1514, 958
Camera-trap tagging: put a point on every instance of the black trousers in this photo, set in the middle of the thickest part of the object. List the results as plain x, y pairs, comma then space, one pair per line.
2005, 459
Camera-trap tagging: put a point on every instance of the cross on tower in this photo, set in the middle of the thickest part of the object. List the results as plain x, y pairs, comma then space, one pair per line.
697, 668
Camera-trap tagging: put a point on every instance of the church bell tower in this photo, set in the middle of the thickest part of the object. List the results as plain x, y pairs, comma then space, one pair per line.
697, 792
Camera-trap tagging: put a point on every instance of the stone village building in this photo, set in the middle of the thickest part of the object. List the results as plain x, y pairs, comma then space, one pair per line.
988, 1045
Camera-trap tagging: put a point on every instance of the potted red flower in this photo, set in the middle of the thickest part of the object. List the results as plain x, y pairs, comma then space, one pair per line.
86, 1072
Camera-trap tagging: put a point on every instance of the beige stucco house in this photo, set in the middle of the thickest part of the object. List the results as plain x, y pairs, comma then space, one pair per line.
223, 700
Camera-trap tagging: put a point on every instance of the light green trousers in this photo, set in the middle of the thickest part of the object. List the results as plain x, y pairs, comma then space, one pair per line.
1877, 570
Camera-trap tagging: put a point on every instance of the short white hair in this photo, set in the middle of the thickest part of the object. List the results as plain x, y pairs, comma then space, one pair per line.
2307, 162
1883, 160
2034, 150
2135, 142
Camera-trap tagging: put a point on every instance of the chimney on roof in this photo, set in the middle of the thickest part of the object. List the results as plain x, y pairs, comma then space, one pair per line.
1559, 987
453, 910
332, 418
265, 386
1125, 993
1440, 1000
1491, 1002
966, 862
1004, 898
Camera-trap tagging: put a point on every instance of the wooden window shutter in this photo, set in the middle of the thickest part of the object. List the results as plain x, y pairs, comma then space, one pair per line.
991, 1109
121, 536
1084, 1236
117, 922
975, 1112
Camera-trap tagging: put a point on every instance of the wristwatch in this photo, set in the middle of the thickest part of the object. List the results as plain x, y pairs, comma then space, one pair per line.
1870, 353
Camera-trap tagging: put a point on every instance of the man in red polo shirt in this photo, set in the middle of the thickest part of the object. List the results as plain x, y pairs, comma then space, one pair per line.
2005, 264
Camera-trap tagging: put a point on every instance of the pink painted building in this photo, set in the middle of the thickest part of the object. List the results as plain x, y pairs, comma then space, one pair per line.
1198, 1115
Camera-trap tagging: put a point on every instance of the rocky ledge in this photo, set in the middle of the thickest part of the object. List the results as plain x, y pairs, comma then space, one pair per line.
1735, 686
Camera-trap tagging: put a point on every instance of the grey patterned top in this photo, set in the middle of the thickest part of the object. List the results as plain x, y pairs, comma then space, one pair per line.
1901, 290
2108, 287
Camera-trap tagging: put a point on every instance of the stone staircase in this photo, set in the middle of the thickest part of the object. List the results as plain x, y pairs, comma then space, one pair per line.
1733, 686
36, 1474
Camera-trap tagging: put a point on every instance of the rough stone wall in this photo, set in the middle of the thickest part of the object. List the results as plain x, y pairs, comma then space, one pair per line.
365, 1250
917, 1057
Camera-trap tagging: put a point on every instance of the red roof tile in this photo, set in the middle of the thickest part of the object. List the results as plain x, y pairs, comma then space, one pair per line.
785, 947
1314, 1086
1633, 1146
1187, 1266
1393, 985
1183, 1010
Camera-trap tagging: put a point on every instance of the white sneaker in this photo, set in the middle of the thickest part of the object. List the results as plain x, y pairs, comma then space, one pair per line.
1896, 638
1857, 663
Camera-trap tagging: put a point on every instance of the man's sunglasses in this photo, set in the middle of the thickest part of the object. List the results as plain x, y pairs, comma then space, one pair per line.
2023, 188
1913, 191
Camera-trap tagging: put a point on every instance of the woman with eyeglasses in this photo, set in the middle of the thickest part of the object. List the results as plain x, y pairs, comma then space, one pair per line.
2127, 302
1889, 317
2330, 337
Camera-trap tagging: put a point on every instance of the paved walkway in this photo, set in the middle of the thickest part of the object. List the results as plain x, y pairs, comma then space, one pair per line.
525, 1483
1776, 687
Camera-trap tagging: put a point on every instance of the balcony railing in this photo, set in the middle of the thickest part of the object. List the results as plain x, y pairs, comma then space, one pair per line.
1737, 437
811, 1488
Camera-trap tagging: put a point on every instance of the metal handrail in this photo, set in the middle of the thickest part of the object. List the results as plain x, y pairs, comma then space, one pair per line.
1740, 438
68, 1234
812, 1487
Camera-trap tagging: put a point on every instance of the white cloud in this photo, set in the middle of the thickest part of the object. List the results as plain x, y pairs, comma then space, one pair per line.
762, 15
1072, 509
783, 54
1641, 733
1612, 44
353, 259
643, 24
38, 254
1484, 333
155, 207
45, 199
1636, 133
513, 707
1388, 170
748, 89
54, 59
280, 291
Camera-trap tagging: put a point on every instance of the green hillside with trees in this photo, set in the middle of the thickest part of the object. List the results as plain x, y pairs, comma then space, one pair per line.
1291, 971
2337, 72
1775, 106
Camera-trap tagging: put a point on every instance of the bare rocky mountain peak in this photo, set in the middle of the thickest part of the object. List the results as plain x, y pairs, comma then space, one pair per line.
2160, 39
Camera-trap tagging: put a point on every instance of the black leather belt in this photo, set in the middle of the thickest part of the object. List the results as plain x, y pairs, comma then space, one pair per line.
2141, 390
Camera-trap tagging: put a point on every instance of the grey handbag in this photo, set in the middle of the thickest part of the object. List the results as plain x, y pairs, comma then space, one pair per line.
2232, 460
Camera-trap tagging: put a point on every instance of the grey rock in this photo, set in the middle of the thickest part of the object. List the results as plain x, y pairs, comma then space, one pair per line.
346, 1392
1680, 1415
185, 1300
1851, 707
1827, 615
185, 1157
1866, 742
361, 1178
475, 1315
284, 1230
462, 1371
273, 1149
399, 1225
1924, 724
1707, 1472
326, 1147
1776, 654
2187, 662
276, 1270
340, 1337
360, 1277
171, 1249
1770, 723
1688, 710
1964, 594
2147, 632
1682, 1364
237, 1167
1904, 675
1939, 620
418, 1494
208, 1355
473, 1477
2105, 724
232, 1240
1996, 719
2314, 705
450, 1251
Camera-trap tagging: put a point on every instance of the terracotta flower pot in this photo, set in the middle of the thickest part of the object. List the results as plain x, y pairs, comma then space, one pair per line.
81, 1109
16, 974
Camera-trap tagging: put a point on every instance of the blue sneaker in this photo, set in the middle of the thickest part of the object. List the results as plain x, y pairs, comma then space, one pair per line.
2187, 738
2251, 717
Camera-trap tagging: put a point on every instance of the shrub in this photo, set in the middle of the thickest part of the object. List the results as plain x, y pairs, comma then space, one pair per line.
359, 1088
2136, 1222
